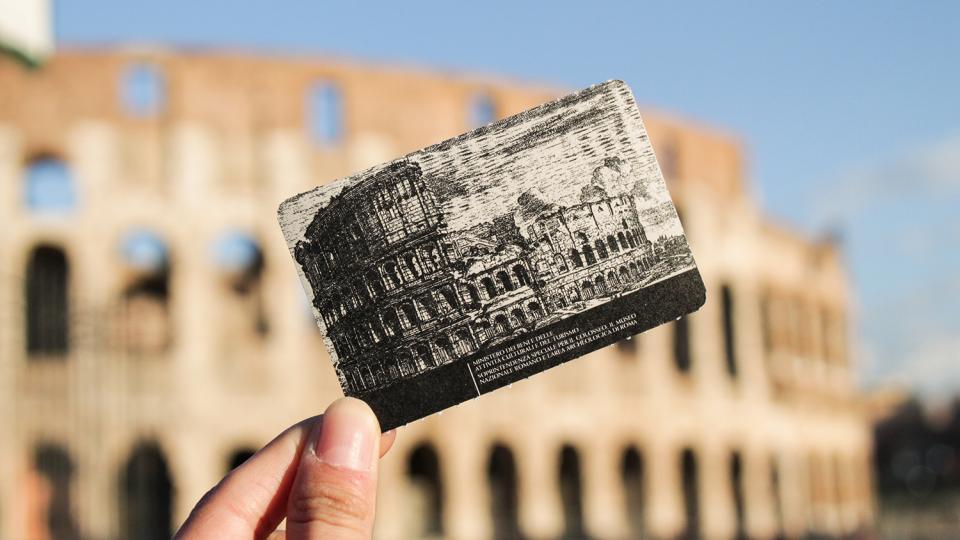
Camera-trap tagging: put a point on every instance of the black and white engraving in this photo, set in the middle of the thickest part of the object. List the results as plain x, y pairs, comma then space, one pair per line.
501, 252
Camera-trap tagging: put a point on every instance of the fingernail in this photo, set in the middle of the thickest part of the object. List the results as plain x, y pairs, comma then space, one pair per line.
349, 435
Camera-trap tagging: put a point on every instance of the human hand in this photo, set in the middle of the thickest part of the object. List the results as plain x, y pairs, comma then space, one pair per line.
320, 474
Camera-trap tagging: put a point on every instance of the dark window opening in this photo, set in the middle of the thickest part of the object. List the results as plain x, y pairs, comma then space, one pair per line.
146, 496
681, 345
239, 257
691, 500
632, 473
47, 303
571, 494
502, 481
423, 470
729, 340
739, 503
55, 467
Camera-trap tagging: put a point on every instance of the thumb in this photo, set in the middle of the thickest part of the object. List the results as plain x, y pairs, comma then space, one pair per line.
334, 492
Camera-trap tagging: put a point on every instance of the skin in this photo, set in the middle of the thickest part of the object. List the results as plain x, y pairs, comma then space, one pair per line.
320, 475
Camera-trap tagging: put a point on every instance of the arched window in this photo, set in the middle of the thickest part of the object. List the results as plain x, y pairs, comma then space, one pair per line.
146, 495
535, 310
631, 469
428, 306
502, 482
325, 113
571, 493
624, 275
473, 292
601, 249
481, 111
729, 341
424, 356
463, 342
523, 278
444, 350
239, 456
612, 244
587, 288
426, 492
409, 317
612, 278
681, 344
393, 275
48, 186
505, 281
489, 287
47, 303
143, 90
501, 325
449, 299
691, 498
240, 260
391, 322
601, 285
588, 254
739, 503
575, 258
412, 265
56, 469
519, 316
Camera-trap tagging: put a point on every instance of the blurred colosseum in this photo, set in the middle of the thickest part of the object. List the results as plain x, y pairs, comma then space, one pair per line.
153, 332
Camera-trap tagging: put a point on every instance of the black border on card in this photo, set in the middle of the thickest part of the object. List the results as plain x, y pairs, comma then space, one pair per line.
445, 386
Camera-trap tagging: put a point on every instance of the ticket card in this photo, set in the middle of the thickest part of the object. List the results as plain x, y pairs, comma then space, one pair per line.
484, 259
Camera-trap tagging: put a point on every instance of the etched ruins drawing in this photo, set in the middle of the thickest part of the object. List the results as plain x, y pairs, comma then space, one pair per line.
483, 238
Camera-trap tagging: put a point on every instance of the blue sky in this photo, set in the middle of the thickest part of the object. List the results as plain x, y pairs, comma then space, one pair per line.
848, 111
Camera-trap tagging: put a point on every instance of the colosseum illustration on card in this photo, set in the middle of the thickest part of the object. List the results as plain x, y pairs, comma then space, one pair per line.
481, 260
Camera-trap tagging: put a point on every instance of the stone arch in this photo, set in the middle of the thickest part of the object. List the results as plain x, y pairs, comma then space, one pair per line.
47, 302
600, 284
612, 244
535, 309
501, 325
560, 263
502, 484
634, 271
463, 341
612, 278
405, 363
489, 287
392, 272
408, 315
445, 351
622, 240
586, 287
412, 265
450, 299
391, 323
575, 258
474, 293
426, 491
375, 282
505, 280
519, 316
523, 278
424, 355
624, 275
146, 495
588, 255
601, 248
